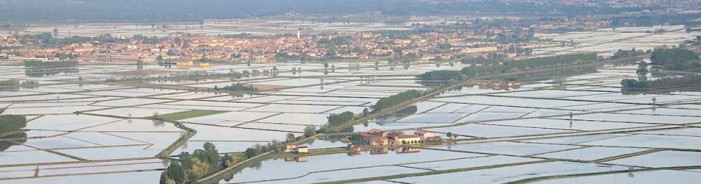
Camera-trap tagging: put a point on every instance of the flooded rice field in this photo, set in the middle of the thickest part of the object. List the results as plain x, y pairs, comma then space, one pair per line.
584, 129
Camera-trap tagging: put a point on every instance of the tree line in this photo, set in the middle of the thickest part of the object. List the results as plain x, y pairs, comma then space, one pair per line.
15, 84
675, 58
190, 167
50, 40
529, 64
387, 102
238, 87
50, 64
663, 85
629, 54
442, 75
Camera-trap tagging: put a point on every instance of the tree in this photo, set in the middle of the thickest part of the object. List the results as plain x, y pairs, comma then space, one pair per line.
227, 161
449, 135
199, 169
250, 152
642, 71
55, 31
185, 160
291, 138
209, 155
176, 173
309, 131
366, 111
164, 178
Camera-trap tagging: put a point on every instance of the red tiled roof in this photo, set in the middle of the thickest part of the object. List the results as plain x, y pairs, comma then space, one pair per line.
407, 136
373, 131
395, 134
419, 132
378, 140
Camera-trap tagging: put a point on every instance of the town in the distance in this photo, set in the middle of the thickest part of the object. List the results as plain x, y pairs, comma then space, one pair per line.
362, 91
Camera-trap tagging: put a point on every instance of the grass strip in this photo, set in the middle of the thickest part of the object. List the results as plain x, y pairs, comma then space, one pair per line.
189, 114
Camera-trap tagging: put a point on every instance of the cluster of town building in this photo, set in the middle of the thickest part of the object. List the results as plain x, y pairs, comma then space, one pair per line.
374, 141
377, 138
427, 46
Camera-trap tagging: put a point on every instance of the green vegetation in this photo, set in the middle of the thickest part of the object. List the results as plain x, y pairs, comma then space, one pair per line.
309, 131
29, 84
274, 146
50, 64
18, 138
664, 85
387, 102
15, 84
642, 71
549, 74
37, 68
336, 120
530, 64
9, 83
675, 59
188, 168
490, 58
41, 70
238, 87
10, 123
628, 55
186, 114
441, 76
51, 40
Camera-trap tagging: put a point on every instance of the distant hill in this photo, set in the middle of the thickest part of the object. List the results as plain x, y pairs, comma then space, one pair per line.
196, 10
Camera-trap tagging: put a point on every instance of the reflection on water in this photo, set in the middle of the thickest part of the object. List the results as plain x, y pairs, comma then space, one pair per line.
499, 85
301, 159
12, 140
43, 71
359, 150
554, 74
